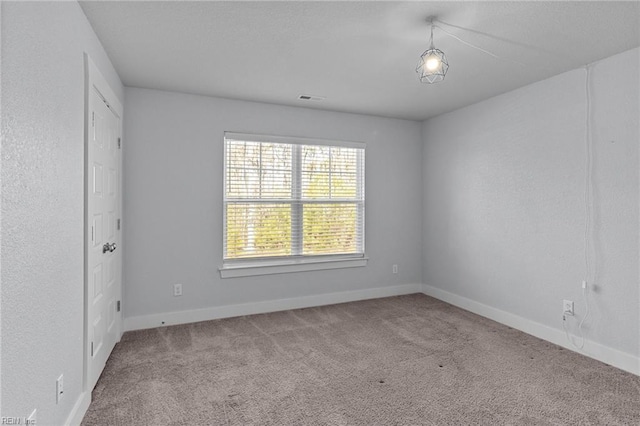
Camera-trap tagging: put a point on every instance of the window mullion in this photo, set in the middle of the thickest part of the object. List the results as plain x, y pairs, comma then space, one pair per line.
296, 204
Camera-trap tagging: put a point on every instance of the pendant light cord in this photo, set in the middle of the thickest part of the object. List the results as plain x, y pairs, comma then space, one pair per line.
431, 38
473, 45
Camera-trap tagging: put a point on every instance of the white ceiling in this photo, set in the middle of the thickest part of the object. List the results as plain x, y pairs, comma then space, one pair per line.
361, 55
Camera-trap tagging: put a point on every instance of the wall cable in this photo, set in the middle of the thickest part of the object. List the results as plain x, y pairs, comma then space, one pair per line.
589, 266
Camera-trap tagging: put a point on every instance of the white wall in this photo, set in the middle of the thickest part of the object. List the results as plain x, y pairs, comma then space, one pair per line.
173, 147
503, 194
43, 202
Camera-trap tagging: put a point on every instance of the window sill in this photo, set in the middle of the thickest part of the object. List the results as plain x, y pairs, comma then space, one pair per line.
287, 266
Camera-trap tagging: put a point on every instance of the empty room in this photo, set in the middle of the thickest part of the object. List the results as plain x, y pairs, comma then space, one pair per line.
320, 213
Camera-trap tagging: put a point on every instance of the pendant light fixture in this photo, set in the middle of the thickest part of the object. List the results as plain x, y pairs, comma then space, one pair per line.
433, 64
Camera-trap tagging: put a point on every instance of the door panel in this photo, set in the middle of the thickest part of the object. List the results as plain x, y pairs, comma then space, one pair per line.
104, 252
97, 180
96, 230
111, 223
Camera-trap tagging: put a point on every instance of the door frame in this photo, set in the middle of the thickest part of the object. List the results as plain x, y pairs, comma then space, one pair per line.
95, 79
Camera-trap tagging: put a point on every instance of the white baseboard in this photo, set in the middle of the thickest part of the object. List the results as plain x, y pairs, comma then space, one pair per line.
79, 410
614, 357
184, 317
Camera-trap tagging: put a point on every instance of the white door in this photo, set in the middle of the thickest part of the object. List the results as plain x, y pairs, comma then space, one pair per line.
103, 245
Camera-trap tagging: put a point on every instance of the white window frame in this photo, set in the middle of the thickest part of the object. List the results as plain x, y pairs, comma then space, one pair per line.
232, 268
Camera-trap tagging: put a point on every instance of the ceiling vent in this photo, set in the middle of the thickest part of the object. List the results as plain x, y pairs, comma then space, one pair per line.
311, 98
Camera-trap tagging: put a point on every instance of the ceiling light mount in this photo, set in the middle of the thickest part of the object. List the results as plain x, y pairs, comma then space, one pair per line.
433, 64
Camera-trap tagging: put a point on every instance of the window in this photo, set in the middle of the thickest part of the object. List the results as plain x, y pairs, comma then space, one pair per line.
292, 201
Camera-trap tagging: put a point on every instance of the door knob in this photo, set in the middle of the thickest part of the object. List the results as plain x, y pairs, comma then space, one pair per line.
108, 247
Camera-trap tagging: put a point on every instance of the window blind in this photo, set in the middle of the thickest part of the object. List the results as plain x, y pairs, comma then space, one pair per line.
291, 197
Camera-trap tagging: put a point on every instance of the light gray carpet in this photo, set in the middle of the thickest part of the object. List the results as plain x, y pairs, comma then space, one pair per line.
407, 360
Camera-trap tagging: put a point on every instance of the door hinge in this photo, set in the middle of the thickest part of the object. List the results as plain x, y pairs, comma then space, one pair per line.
118, 224
119, 143
92, 238
91, 348
118, 306
93, 119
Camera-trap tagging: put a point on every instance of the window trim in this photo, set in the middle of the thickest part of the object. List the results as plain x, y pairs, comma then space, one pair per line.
293, 140
252, 267
231, 268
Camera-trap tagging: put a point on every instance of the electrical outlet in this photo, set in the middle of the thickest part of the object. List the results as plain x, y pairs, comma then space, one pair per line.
59, 388
177, 290
567, 307
394, 269
31, 420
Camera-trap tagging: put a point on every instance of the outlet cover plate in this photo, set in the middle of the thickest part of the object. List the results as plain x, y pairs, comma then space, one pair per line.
567, 307
177, 290
59, 388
